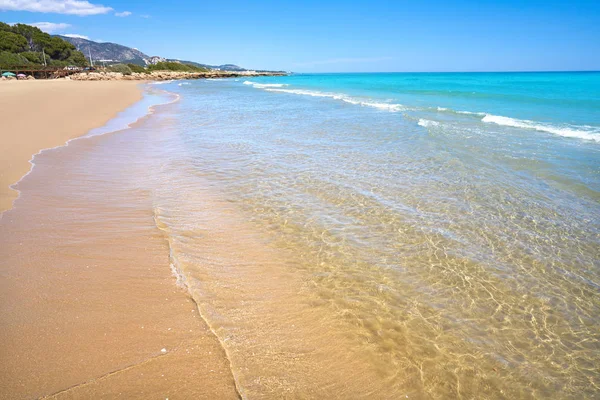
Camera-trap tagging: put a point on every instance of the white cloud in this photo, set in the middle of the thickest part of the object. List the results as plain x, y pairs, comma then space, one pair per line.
51, 27
145, 16
74, 7
123, 14
75, 35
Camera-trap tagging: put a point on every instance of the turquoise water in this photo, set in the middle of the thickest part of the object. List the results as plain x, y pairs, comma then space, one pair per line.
522, 116
567, 101
390, 235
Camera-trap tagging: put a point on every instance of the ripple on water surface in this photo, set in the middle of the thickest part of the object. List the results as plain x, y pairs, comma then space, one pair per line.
347, 251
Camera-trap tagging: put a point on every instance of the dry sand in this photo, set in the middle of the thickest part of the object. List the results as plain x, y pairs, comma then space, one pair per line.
88, 305
46, 113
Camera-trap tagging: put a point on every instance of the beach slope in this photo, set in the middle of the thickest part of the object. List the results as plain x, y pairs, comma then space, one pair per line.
89, 307
37, 115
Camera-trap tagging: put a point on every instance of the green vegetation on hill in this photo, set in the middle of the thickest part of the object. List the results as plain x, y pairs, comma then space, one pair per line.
175, 66
22, 44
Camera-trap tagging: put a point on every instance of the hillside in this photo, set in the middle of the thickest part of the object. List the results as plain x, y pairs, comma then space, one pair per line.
108, 51
22, 44
122, 54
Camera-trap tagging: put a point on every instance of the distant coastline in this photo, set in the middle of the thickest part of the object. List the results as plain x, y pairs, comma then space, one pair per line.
170, 75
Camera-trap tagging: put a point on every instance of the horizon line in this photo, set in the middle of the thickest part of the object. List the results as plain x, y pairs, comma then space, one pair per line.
446, 72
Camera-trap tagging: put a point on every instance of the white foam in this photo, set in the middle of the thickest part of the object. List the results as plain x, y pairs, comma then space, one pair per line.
162, 82
337, 96
265, 85
427, 123
183, 83
581, 132
471, 113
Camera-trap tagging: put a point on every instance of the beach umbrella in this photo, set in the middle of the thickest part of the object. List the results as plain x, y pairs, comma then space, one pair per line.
21, 75
8, 74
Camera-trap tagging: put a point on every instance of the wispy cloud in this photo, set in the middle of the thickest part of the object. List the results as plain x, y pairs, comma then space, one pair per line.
145, 16
73, 7
123, 14
342, 61
77, 36
51, 27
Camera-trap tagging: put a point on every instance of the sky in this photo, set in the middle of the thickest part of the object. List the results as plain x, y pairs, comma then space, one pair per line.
336, 35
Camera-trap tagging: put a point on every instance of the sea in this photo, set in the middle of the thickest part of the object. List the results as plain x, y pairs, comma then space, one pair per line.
384, 235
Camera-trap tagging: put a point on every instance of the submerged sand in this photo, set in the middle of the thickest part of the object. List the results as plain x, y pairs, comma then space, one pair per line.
88, 305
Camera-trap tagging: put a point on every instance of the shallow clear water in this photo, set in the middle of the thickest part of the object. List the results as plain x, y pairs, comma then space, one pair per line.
342, 235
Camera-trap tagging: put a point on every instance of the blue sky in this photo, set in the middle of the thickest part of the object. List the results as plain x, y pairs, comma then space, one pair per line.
335, 35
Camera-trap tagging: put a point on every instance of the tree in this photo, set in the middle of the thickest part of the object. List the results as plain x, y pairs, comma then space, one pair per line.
29, 42
77, 58
31, 33
8, 59
33, 56
12, 42
5, 27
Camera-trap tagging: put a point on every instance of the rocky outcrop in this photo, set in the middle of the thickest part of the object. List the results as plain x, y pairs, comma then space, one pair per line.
165, 75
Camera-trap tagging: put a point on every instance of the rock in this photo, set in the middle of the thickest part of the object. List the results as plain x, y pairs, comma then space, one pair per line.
158, 75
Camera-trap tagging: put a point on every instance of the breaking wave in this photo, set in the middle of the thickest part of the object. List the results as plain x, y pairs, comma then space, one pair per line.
337, 96
427, 123
581, 132
265, 85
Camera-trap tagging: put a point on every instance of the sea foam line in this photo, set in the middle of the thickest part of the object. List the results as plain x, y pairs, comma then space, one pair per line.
277, 88
581, 132
265, 85
342, 97
427, 123
183, 282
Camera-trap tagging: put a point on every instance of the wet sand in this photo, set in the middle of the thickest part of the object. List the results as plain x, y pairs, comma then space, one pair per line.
88, 305
46, 113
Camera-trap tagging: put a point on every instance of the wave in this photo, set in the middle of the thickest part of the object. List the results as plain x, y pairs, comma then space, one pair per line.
265, 85
337, 96
427, 123
183, 83
162, 82
581, 132
480, 114
451, 111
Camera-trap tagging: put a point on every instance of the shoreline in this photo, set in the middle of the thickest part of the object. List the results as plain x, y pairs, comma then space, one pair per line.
78, 320
167, 75
39, 113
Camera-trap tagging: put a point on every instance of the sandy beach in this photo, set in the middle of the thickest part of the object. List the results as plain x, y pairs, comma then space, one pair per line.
89, 307
46, 113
